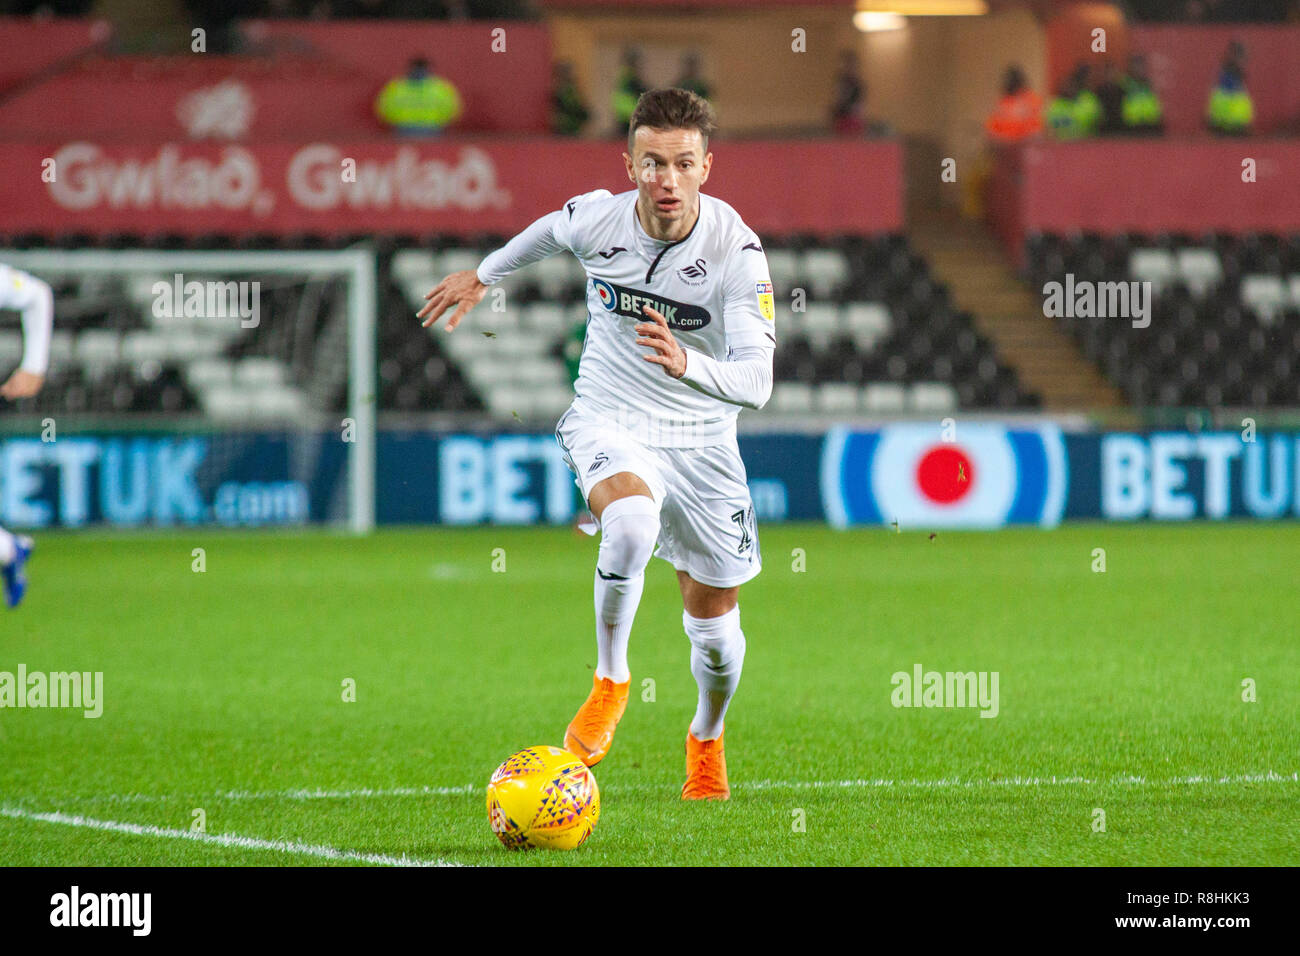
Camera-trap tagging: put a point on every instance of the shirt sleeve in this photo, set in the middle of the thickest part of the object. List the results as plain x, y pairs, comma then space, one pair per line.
35, 300
745, 378
554, 232
748, 300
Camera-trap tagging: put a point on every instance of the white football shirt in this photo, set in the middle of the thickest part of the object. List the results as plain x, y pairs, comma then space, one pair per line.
712, 287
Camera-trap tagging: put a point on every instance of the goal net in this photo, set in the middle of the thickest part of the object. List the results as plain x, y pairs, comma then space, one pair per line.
197, 387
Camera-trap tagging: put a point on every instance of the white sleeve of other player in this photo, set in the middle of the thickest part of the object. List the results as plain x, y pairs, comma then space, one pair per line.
748, 304
35, 300
552, 233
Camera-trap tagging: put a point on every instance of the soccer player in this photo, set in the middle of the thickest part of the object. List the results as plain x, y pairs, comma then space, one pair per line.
680, 336
35, 301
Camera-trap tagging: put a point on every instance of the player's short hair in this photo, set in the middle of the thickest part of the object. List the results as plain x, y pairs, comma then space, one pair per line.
672, 108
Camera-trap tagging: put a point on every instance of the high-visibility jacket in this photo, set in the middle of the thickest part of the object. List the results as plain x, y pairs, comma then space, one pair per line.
427, 103
627, 91
1230, 109
1074, 118
1141, 106
1016, 116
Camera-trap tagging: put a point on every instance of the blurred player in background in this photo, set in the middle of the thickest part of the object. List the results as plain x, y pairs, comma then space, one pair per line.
34, 299
680, 336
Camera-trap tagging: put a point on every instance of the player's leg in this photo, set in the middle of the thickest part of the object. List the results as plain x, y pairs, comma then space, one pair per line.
14, 552
629, 526
623, 490
710, 537
711, 618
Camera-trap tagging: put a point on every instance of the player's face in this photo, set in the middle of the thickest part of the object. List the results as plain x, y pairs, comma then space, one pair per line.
668, 166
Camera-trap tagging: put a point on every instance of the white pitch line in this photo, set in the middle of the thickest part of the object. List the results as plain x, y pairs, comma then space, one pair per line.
220, 839
879, 783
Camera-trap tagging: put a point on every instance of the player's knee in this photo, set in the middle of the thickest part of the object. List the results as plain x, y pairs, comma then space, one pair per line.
629, 528
718, 642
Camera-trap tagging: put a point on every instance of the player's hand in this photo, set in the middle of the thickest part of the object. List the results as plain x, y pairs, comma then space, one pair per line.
461, 289
21, 385
656, 335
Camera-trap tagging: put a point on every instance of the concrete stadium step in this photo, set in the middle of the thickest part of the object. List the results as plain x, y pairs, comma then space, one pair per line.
974, 266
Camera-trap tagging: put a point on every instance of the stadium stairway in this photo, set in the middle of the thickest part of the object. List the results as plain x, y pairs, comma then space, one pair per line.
974, 266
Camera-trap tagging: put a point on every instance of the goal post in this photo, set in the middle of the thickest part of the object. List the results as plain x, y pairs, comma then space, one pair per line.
301, 342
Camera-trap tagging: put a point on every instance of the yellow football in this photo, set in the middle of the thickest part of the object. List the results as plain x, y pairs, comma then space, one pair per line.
543, 797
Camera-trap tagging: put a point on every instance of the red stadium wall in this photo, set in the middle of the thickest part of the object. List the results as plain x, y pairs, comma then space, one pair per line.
502, 69
321, 81
32, 46
462, 186
1150, 187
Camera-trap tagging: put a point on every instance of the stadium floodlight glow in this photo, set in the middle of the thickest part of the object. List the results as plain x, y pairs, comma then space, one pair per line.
924, 8
874, 21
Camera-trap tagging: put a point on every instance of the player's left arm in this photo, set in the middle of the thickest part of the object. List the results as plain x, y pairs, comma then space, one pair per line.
35, 300
748, 312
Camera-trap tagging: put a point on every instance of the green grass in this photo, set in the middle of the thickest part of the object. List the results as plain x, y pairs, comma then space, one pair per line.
223, 692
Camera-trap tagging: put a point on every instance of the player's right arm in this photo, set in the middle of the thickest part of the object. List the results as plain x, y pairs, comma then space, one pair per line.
545, 237
35, 300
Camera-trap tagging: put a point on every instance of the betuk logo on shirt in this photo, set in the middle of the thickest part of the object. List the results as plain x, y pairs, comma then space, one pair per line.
680, 316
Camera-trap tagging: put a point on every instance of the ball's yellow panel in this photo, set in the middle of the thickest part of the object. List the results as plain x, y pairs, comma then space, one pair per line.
543, 797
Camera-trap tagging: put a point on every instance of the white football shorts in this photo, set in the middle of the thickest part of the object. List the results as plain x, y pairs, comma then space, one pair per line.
706, 517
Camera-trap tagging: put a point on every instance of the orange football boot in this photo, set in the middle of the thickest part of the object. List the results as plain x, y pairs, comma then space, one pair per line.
591, 733
706, 770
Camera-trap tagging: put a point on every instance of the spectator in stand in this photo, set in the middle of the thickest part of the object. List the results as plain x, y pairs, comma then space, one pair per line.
568, 109
1142, 112
691, 79
1075, 111
418, 103
850, 94
627, 90
1231, 111
1019, 114
1110, 100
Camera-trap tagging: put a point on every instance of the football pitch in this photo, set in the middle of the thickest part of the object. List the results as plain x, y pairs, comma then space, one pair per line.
1125, 730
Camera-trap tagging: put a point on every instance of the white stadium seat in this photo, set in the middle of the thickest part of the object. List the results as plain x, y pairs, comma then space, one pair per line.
825, 271
820, 323
1156, 266
1200, 269
98, 347
883, 398
932, 397
142, 346
259, 371
455, 260
792, 398
549, 319
837, 398
210, 373
413, 264
867, 322
1266, 295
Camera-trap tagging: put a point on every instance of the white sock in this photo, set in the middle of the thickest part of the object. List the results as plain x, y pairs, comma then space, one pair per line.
629, 528
8, 549
717, 657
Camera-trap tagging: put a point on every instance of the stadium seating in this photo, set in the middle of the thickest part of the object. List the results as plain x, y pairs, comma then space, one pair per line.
864, 331
1225, 321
